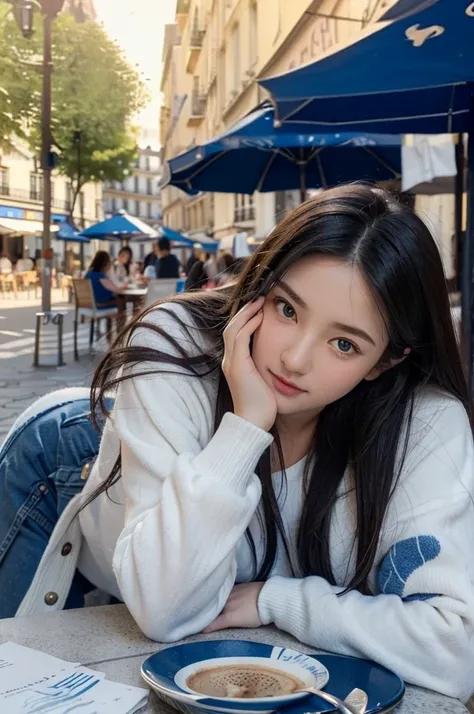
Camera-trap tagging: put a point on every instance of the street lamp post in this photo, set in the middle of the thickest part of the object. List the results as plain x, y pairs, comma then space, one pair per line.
23, 10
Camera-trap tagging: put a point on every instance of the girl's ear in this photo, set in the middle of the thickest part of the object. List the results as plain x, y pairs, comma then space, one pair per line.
384, 366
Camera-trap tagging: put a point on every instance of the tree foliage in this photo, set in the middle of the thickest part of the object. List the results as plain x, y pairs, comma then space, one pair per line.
95, 94
20, 84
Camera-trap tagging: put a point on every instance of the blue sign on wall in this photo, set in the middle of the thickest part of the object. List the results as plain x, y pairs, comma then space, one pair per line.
14, 212
11, 212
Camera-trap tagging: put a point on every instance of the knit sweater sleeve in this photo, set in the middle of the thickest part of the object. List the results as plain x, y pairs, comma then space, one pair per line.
419, 622
189, 497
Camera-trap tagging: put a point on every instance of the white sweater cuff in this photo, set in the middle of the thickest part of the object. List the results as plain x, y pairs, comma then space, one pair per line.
273, 599
234, 451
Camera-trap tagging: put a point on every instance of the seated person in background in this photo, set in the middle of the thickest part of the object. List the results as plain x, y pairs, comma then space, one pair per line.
168, 265
198, 276
151, 258
123, 265
229, 268
195, 257
103, 287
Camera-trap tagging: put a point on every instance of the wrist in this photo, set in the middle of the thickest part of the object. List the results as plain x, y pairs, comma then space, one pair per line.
254, 419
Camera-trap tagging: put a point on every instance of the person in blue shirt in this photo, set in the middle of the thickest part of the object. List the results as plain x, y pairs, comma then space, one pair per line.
104, 289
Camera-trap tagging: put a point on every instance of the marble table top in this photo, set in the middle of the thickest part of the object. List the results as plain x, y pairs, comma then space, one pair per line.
107, 638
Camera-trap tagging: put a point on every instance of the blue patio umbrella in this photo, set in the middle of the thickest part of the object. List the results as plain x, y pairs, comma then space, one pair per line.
411, 75
404, 8
254, 156
69, 233
120, 226
414, 74
179, 239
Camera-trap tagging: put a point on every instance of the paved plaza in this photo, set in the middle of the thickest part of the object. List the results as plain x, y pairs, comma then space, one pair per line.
20, 382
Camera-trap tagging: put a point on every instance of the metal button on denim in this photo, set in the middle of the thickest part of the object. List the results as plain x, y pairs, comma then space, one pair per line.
51, 598
85, 471
43, 488
66, 549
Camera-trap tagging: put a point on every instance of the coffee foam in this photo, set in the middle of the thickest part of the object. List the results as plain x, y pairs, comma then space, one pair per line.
243, 681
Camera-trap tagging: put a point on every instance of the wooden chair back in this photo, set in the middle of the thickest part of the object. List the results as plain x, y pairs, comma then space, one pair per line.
83, 293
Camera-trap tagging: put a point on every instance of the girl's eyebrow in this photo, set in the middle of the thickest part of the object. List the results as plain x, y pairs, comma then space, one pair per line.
294, 296
352, 330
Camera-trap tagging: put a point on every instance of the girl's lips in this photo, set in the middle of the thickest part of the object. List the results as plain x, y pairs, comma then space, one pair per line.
287, 388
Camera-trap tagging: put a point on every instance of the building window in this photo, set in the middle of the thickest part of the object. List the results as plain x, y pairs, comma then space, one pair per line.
150, 210
244, 208
251, 207
98, 209
4, 182
147, 163
36, 186
133, 207
114, 205
68, 197
149, 187
137, 184
125, 204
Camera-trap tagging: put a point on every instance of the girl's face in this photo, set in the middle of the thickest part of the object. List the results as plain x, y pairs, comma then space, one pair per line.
123, 258
322, 332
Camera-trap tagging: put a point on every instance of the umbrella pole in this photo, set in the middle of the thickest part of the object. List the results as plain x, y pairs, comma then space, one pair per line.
468, 267
458, 201
302, 181
81, 254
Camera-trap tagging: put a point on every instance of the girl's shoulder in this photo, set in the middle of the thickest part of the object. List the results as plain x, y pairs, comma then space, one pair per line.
171, 328
440, 446
434, 408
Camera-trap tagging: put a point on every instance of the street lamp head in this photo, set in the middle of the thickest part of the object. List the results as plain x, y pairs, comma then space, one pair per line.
23, 13
51, 8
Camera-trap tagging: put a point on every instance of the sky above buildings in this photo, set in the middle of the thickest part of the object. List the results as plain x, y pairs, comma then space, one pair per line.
138, 28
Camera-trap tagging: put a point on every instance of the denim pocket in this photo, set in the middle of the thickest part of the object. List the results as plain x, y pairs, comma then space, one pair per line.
78, 445
78, 441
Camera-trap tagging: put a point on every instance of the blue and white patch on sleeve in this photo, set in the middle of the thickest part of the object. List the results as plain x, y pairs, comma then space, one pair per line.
402, 560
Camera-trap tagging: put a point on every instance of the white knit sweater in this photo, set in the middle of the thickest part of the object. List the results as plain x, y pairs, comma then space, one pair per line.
170, 539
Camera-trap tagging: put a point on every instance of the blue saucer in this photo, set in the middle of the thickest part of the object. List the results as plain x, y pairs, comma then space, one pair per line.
385, 689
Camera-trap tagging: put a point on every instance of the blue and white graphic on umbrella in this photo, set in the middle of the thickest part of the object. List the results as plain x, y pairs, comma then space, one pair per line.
411, 74
120, 225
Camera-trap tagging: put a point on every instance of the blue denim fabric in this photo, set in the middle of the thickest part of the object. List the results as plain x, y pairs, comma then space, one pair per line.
40, 471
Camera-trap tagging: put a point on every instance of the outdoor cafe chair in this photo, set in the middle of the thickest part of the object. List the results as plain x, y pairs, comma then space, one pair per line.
158, 289
86, 309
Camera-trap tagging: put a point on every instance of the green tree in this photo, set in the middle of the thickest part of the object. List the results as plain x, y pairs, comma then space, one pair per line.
20, 83
95, 94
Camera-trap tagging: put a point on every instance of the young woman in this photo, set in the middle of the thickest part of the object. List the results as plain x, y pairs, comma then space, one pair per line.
123, 266
104, 288
293, 449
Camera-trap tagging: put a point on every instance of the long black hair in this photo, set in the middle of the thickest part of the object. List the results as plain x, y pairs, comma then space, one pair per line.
101, 262
365, 431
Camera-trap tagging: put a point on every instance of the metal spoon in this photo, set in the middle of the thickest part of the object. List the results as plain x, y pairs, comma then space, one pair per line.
358, 700
354, 703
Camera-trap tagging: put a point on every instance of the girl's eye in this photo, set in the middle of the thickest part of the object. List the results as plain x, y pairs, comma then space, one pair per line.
285, 309
344, 347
